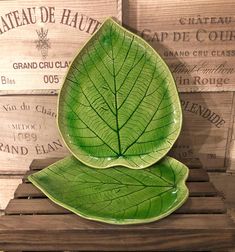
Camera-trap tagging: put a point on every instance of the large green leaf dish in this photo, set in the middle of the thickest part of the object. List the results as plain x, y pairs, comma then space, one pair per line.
119, 103
117, 195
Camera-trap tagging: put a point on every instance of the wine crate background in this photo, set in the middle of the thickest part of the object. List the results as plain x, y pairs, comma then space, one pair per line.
231, 147
196, 39
205, 133
39, 39
28, 131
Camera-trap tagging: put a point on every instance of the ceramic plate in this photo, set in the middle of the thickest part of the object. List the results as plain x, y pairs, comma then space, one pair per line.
117, 195
119, 104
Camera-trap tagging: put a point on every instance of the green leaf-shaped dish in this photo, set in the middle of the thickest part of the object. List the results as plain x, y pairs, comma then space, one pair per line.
119, 103
117, 195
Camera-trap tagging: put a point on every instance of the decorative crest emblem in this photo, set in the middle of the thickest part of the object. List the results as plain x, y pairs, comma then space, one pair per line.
43, 43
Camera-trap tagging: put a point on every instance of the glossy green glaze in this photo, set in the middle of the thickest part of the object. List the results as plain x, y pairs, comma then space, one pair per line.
116, 195
119, 103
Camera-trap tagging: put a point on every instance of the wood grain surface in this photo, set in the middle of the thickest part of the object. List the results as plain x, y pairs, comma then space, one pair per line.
231, 145
28, 131
39, 39
8, 185
196, 38
206, 125
179, 232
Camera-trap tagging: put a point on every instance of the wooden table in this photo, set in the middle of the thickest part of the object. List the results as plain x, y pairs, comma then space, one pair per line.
33, 222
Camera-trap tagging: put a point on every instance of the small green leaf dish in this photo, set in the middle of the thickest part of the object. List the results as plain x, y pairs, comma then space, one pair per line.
119, 104
117, 195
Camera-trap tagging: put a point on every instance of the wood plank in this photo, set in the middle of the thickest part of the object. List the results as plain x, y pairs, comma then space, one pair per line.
182, 38
26, 190
25, 177
225, 184
34, 206
8, 186
199, 175
231, 143
72, 221
217, 169
38, 164
180, 232
201, 189
201, 138
203, 205
28, 131
46, 206
78, 20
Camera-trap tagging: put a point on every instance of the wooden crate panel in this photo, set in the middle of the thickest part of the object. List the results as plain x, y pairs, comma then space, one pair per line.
181, 232
231, 146
28, 131
205, 131
39, 39
225, 184
38, 164
196, 38
8, 186
232, 157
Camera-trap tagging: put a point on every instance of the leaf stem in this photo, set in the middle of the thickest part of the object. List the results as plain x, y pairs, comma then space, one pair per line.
115, 99
116, 111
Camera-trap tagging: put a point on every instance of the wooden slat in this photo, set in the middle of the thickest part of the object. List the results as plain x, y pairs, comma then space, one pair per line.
180, 232
216, 169
201, 205
195, 189
194, 175
8, 185
31, 79
198, 175
38, 164
46, 206
74, 222
201, 189
27, 190
33, 206
25, 177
